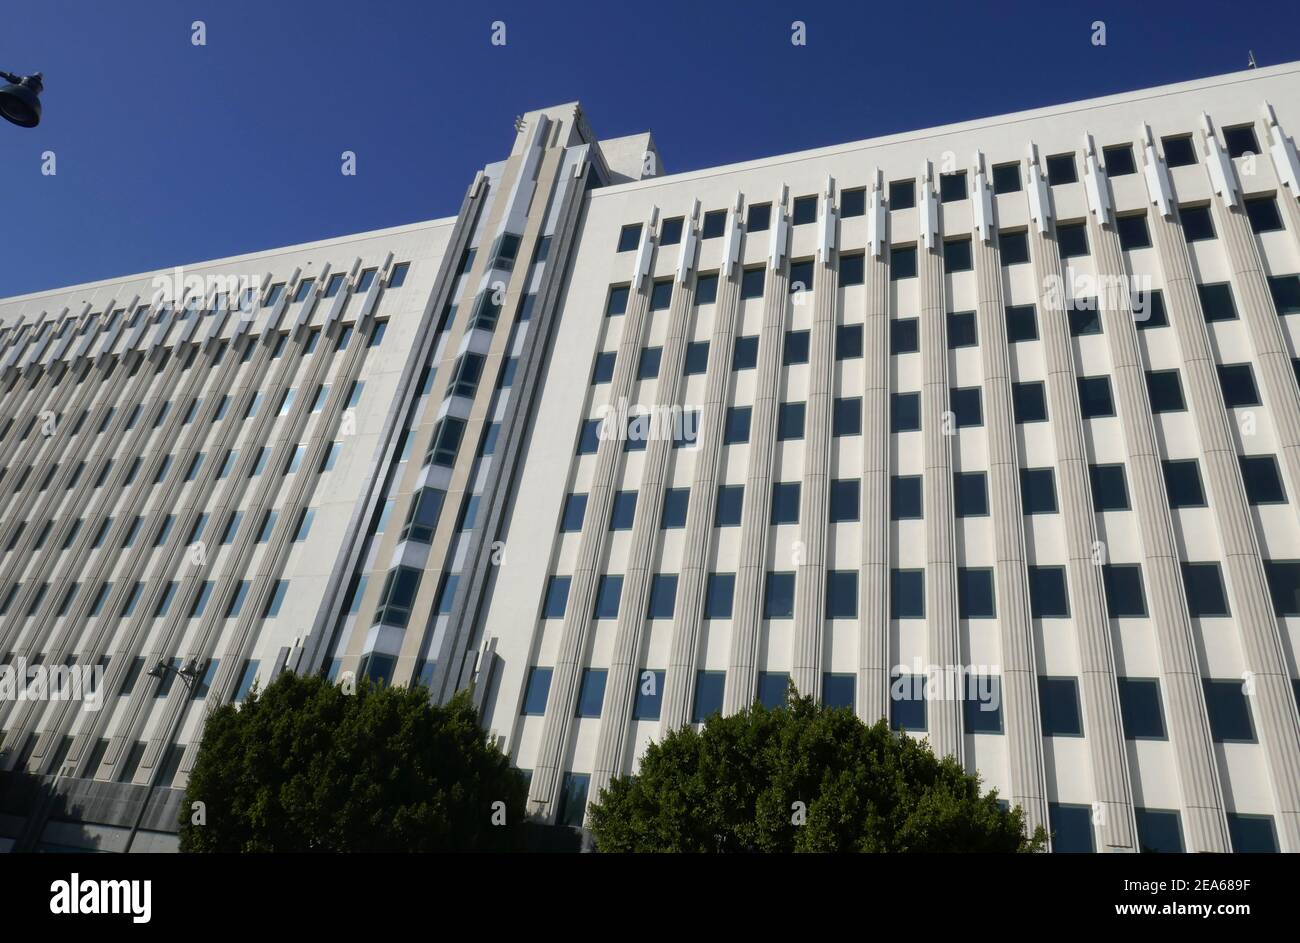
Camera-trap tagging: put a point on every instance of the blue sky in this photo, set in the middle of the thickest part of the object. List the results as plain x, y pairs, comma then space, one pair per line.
169, 153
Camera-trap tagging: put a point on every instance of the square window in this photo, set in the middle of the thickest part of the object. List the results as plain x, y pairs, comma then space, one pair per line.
1216, 302
1072, 239
608, 592
535, 692
730, 500
966, 408
1285, 290
838, 690
1014, 246
663, 596
952, 187
846, 416
853, 202
805, 210
982, 705
1252, 833
907, 701
1263, 214
905, 497
904, 336
904, 412
591, 692
649, 695
970, 494
1071, 828
1197, 223
676, 501
1229, 710
842, 594
778, 596
852, 268
1203, 585
1022, 323
1109, 490
957, 255
1029, 401
697, 358
1133, 232
1240, 140
617, 301
1183, 483
1165, 391
1094, 397
1139, 704
902, 194
629, 237
785, 502
902, 262
772, 686
670, 233
737, 425
759, 217
575, 509
1048, 598
744, 354
1059, 700
907, 594
709, 686
975, 593
718, 593
751, 282
1061, 169
848, 341
795, 350
715, 222
648, 365
844, 500
623, 511
1149, 309
1178, 150
1006, 177
1038, 491
1263, 480
1118, 159
1238, 385
961, 329
1124, 595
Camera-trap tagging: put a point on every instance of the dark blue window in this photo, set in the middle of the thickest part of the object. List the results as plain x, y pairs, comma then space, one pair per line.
730, 501
648, 365
902, 194
1284, 586
1038, 491
557, 597
975, 593
573, 800
1014, 246
706, 289
661, 295
737, 427
952, 186
1109, 492
961, 328
1252, 833
1216, 302
957, 255
1094, 397
907, 702
852, 269
1263, 480
1059, 701
778, 596
604, 370
623, 511
907, 594
697, 358
982, 704
1084, 318
842, 594
1197, 224
663, 596
591, 694
844, 499
617, 303
789, 421
905, 497
1165, 392
904, 336
649, 695
1124, 595
715, 222
795, 350
1022, 323
717, 595
1238, 385
1071, 827
966, 406
1183, 483
902, 262
848, 341
751, 282
759, 217
1072, 239
1047, 592
904, 412
676, 501
1229, 711
629, 237
846, 416
575, 509
772, 686
1139, 703
745, 353
785, 502
970, 494
589, 440
838, 690
1206, 596
709, 686
539, 686
607, 596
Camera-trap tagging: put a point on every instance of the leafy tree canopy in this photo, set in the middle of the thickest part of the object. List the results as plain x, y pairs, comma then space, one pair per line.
305, 766
801, 778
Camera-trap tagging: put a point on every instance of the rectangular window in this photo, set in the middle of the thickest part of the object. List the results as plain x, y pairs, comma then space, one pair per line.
1058, 699
623, 510
1094, 397
697, 358
706, 289
751, 282
1183, 483
1238, 385
905, 497
970, 494
1038, 491
957, 255
629, 237
1006, 177
952, 187
961, 329
1022, 323
1048, 598
982, 704
1029, 401
789, 421
907, 594
1132, 231
1118, 159
1071, 828
1229, 710
744, 355
591, 692
975, 598
709, 686
676, 501
1178, 149
759, 217
648, 364
772, 687
853, 202
804, 210
904, 412
1251, 833
575, 509
661, 295
616, 304
1124, 594
670, 231
1285, 290
718, 594
1165, 391
904, 336
1263, 479
1109, 491
1084, 318
844, 500
536, 691
730, 500
838, 690
1014, 247
902, 262
663, 596
966, 407
1197, 223
649, 696
736, 428
907, 702
902, 194
1061, 169
557, 597
714, 225
1139, 703
1072, 239
1216, 302
778, 596
785, 502
1203, 585
848, 341
795, 348
608, 593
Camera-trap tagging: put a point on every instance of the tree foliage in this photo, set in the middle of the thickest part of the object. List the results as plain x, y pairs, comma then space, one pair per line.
801, 778
305, 766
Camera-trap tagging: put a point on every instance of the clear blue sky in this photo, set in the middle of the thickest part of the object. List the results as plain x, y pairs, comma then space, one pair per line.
169, 153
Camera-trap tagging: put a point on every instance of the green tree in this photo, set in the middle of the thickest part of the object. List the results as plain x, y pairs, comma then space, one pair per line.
801, 778
304, 766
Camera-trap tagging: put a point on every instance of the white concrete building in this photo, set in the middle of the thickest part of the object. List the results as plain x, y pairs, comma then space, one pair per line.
992, 429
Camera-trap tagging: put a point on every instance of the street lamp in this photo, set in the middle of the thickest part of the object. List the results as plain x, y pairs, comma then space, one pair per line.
18, 100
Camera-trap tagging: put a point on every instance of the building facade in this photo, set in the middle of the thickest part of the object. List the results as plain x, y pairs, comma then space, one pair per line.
991, 429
